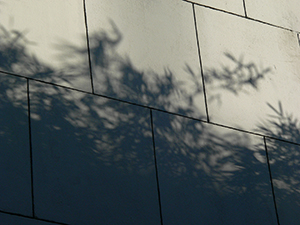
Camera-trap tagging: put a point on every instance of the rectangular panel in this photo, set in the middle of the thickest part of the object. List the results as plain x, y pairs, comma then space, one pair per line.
15, 180
285, 167
278, 12
93, 159
7, 219
251, 71
211, 175
235, 6
45, 40
146, 52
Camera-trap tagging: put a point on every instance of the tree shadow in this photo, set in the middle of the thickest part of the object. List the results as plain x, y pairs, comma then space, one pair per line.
83, 143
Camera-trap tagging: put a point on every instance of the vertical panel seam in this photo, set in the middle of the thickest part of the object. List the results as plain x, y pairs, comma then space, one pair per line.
245, 10
156, 170
30, 150
88, 45
271, 181
200, 61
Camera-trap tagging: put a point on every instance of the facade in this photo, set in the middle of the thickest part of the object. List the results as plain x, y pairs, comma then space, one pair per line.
149, 112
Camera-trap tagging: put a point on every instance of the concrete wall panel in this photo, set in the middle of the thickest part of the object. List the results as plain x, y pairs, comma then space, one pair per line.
284, 162
251, 71
233, 6
45, 40
15, 179
92, 158
211, 175
281, 13
146, 52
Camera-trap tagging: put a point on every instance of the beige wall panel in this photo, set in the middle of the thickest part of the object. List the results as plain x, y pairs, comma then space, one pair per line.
251, 71
142, 52
278, 12
45, 40
235, 6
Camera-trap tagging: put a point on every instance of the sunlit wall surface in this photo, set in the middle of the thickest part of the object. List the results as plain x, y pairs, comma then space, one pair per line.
149, 112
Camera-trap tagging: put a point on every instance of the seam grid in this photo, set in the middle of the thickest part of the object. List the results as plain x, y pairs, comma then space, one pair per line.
152, 108
241, 16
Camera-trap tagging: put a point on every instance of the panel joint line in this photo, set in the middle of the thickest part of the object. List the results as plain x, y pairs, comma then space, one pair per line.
30, 150
298, 37
88, 45
244, 4
200, 61
156, 170
271, 181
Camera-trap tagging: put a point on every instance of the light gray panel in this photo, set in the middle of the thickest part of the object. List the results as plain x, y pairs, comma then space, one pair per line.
146, 52
251, 70
281, 13
285, 167
93, 159
15, 179
235, 6
45, 40
211, 175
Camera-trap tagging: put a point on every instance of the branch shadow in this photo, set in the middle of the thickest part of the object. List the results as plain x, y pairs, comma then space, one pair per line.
284, 160
94, 154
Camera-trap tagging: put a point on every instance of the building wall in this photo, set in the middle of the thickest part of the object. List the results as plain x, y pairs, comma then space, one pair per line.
149, 112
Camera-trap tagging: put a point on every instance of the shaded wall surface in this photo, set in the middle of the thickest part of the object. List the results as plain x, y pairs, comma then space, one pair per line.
149, 112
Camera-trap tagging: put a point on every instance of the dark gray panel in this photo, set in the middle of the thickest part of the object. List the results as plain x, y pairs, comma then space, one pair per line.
7, 219
15, 182
285, 167
93, 159
211, 175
